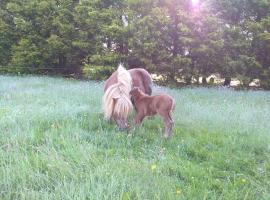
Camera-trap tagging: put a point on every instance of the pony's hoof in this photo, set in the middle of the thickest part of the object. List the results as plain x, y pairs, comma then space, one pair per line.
127, 129
120, 129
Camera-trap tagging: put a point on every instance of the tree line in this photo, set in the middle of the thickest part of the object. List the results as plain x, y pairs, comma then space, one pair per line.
180, 39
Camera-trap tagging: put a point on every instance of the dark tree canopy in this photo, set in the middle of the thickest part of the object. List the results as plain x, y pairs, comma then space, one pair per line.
178, 39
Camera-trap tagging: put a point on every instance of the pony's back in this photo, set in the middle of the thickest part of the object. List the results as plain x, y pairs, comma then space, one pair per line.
142, 79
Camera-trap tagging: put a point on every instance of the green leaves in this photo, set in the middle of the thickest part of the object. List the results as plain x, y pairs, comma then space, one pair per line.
26, 55
169, 37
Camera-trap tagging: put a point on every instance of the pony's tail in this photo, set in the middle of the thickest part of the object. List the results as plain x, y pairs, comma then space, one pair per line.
116, 98
148, 83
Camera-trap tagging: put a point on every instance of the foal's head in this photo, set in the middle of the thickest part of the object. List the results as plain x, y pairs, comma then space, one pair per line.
135, 93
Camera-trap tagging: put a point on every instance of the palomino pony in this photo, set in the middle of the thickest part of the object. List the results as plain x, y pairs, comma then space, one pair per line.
116, 100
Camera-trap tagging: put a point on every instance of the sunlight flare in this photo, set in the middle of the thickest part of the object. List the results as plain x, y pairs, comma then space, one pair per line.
195, 2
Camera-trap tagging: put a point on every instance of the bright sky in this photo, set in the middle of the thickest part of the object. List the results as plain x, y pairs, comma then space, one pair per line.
195, 2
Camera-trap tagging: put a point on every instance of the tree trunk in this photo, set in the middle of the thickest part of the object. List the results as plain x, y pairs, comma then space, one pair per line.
188, 80
62, 61
227, 81
197, 79
204, 81
246, 82
212, 81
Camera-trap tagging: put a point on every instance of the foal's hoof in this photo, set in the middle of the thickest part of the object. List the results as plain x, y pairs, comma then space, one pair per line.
167, 136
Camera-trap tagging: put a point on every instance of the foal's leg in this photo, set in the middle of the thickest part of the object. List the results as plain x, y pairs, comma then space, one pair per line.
138, 118
168, 124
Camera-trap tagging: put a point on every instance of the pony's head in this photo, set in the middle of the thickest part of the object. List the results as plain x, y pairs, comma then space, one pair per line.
122, 107
116, 101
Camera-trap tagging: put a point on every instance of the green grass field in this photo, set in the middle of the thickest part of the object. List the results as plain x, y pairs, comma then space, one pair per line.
54, 144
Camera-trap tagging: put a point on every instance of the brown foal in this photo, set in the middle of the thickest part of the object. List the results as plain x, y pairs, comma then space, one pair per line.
146, 105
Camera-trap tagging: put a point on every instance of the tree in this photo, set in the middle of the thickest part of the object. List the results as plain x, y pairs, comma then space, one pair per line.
207, 41
46, 30
102, 38
174, 38
244, 38
7, 34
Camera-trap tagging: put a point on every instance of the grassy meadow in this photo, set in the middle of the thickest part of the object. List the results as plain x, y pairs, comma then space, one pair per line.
54, 144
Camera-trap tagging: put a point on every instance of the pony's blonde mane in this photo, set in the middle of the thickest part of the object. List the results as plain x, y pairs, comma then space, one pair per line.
116, 98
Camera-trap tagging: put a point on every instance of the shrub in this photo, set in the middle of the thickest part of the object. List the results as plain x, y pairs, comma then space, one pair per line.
95, 72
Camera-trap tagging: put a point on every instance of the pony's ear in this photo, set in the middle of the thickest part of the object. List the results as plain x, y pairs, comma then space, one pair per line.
135, 89
116, 97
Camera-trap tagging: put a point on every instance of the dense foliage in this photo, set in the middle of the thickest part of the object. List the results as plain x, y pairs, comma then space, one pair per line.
171, 37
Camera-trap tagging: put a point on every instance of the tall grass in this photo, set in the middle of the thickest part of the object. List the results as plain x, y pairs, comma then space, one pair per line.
54, 144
